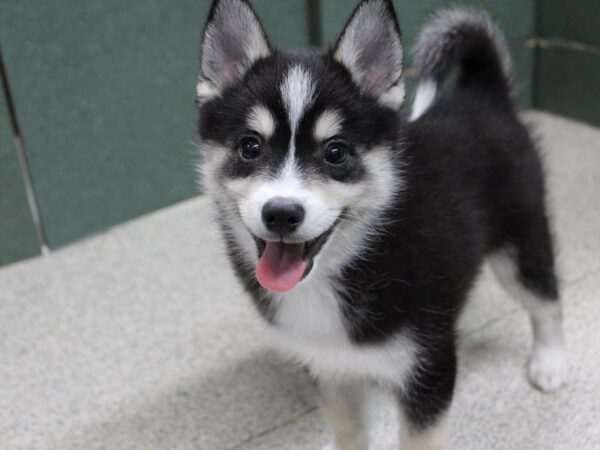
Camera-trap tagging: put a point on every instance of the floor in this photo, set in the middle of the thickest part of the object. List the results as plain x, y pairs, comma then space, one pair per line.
140, 338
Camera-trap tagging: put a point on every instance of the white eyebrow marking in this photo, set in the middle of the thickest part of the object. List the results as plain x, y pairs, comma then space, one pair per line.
298, 92
328, 125
262, 121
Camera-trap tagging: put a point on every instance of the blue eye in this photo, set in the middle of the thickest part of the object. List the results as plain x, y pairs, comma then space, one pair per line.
336, 153
249, 147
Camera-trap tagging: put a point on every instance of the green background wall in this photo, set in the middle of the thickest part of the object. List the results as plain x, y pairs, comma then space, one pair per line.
104, 92
568, 63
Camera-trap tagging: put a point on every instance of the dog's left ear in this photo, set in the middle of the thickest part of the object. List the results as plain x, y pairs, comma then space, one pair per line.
233, 41
370, 47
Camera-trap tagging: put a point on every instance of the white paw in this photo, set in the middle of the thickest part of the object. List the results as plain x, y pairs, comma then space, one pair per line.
548, 368
329, 447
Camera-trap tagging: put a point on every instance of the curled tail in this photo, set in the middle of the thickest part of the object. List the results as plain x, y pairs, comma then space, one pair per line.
463, 37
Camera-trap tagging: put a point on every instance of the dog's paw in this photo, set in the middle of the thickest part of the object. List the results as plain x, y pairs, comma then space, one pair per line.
329, 446
548, 368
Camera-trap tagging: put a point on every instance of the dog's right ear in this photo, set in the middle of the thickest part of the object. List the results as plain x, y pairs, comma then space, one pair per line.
233, 41
370, 47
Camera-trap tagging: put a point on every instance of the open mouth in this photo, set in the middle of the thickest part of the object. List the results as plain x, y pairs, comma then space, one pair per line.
282, 265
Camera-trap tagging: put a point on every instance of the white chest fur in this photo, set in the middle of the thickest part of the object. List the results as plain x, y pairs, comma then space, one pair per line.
309, 326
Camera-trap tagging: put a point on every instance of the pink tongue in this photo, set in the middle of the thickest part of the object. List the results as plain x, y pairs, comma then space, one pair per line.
280, 267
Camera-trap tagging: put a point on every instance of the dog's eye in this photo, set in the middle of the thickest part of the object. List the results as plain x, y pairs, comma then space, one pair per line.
336, 153
249, 147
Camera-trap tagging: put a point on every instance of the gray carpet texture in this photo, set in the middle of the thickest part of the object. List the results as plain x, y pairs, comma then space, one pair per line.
141, 338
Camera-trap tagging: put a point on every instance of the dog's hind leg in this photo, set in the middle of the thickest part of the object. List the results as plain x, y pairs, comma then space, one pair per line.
526, 269
344, 408
425, 400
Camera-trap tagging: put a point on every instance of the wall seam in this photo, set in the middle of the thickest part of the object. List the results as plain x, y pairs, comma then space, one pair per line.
23, 161
315, 31
535, 83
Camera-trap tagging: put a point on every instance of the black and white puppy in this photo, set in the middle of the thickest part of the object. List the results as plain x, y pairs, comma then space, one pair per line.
357, 231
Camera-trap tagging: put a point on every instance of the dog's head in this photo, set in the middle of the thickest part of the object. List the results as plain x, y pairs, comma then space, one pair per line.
299, 149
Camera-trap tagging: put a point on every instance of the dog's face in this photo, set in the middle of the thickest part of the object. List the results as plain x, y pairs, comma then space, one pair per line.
299, 149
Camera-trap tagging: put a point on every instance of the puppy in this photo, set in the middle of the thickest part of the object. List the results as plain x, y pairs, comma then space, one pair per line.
358, 230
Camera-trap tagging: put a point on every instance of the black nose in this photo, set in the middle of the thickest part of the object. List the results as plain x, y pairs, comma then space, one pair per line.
282, 215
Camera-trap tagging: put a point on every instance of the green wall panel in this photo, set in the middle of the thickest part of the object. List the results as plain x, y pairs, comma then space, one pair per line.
568, 72
516, 17
17, 233
104, 95
286, 21
568, 83
570, 20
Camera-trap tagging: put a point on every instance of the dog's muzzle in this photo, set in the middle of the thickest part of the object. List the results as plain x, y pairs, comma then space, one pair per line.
282, 265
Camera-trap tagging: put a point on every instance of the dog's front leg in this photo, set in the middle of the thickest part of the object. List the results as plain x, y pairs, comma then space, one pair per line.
426, 398
344, 408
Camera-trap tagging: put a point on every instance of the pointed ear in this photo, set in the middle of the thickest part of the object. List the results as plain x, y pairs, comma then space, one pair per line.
233, 41
371, 49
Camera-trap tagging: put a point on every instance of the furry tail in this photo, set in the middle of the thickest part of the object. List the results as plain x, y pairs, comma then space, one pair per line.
465, 37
